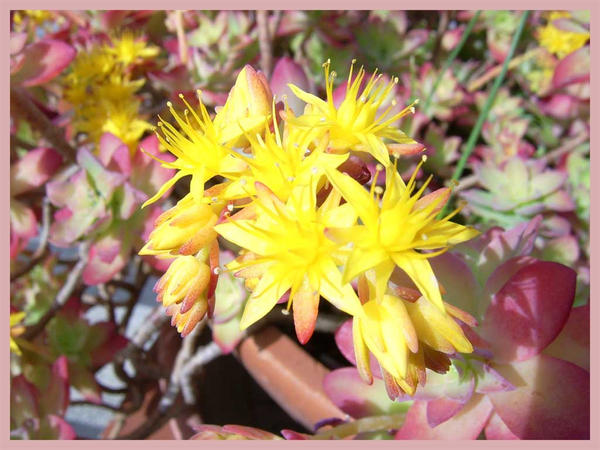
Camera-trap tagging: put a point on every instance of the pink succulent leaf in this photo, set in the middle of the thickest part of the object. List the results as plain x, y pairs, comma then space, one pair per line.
351, 394
413, 40
552, 399
33, 169
502, 246
107, 256
83, 210
23, 222
130, 200
559, 201
17, 42
564, 250
288, 71
228, 335
457, 394
529, 311
560, 106
462, 288
104, 181
566, 24
61, 428
291, 435
173, 80
496, 429
42, 61
488, 379
56, 395
466, 424
147, 174
114, 154
573, 342
343, 340
573, 68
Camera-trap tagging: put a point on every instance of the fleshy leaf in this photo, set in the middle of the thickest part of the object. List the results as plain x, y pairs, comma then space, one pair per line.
352, 395
467, 424
573, 68
33, 169
529, 311
552, 399
42, 61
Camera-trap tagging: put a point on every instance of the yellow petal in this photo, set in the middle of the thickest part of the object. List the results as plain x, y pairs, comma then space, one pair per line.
420, 272
269, 290
356, 195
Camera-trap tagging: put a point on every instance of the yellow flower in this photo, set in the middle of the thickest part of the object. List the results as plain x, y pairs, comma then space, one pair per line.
128, 49
289, 242
198, 148
182, 289
560, 42
16, 329
354, 125
103, 96
182, 230
403, 336
397, 231
283, 164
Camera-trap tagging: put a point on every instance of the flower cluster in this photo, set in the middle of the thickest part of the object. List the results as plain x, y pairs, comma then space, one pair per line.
102, 93
306, 229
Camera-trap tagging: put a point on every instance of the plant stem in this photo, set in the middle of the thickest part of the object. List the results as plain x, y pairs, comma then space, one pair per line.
449, 61
470, 145
363, 425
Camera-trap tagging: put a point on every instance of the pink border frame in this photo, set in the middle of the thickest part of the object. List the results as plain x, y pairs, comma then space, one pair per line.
592, 5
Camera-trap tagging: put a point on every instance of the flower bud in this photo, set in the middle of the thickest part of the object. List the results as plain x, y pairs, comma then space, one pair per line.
182, 289
182, 230
247, 108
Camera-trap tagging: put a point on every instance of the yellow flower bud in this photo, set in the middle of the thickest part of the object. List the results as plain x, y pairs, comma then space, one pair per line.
182, 230
182, 289
247, 108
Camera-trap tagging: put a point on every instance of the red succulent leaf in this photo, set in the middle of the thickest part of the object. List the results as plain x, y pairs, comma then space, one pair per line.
352, 395
552, 399
343, 339
288, 71
42, 61
573, 68
573, 342
33, 169
529, 311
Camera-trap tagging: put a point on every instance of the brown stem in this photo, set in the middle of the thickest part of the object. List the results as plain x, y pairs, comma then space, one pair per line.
566, 148
264, 42
21, 102
181, 38
63, 294
494, 71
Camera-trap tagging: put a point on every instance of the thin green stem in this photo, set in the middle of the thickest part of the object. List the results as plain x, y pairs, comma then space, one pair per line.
468, 148
449, 61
